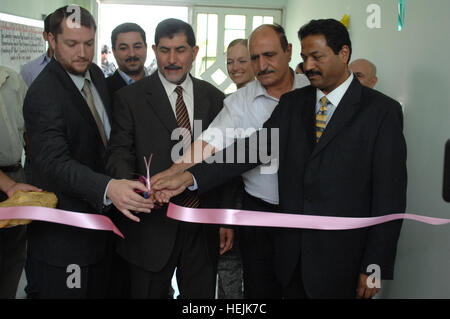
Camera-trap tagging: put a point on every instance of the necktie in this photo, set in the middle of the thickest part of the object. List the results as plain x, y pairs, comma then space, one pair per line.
90, 102
190, 199
321, 118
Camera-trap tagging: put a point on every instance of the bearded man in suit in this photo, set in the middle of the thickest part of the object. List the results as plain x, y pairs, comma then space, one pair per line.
67, 116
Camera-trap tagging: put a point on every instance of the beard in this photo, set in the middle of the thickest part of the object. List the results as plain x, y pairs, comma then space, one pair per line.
69, 67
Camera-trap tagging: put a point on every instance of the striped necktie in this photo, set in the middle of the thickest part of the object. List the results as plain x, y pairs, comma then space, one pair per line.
190, 199
321, 118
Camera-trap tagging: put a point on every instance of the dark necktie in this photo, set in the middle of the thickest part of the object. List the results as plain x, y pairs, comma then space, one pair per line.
190, 199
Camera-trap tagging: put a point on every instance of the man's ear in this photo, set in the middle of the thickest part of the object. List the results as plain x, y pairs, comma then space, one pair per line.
344, 54
52, 40
195, 49
289, 51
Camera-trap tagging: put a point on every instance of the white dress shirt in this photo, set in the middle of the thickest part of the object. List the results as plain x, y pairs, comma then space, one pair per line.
188, 95
249, 108
78, 80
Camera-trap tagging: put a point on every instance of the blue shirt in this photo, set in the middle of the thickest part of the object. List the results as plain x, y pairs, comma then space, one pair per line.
31, 70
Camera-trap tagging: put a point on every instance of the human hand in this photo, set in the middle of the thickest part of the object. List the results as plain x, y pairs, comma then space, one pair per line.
226, 239
175, 169
14, 187
363, 291
166, 188
123, 195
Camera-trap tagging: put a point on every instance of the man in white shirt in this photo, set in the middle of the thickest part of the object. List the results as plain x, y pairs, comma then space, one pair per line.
12, 127
248, 109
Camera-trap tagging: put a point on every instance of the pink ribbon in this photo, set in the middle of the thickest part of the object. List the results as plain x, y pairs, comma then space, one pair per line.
88, 221
254, 218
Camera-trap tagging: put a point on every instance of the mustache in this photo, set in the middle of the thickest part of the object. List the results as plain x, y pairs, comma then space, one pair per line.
132, 59
263, 72
172, 67
312, 72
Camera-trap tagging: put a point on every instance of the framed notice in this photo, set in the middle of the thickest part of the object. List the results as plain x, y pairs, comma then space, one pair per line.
21, 40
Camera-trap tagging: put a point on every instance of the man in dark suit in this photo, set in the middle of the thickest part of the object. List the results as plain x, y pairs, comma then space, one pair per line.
129, 46
344, 155
67, 115
145, 116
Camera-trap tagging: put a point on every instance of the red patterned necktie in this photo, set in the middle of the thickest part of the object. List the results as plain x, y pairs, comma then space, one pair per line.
190, 199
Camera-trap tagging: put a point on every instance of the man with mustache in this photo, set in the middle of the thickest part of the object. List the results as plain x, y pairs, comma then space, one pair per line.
67, 116
145, 115
129, 46
249, 108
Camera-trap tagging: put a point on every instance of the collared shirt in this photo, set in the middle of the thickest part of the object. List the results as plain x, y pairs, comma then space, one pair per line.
334, 97
248, 109
12, 127
31, 70
78, 80
128, 80
188, 95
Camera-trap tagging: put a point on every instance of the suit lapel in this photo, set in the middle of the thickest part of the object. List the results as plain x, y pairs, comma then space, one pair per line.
77, 99
102, 89
344, 112
157, 99
308, 117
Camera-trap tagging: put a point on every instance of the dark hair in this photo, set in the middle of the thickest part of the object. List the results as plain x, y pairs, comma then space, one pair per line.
278, 30
47, 23
57, 17
125, 28
170, 27
300, 66
334, 32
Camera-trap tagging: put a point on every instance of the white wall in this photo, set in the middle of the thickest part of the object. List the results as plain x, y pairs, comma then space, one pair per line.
413, 68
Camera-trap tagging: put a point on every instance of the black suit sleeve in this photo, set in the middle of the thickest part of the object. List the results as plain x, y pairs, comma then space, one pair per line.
389, 180
121, 149
49, 150
247, 153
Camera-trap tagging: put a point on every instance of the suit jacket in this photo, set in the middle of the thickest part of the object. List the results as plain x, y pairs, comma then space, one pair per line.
68, 158
143, 121
115, 83
358, 169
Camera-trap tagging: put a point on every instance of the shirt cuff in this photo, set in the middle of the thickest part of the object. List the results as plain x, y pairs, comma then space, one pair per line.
195, 186
106, 200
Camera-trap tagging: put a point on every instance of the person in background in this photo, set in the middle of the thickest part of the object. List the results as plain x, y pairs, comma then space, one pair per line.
12, 240
238, 63
230, 285
108, 68
129, 46
32, 69
365, 71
